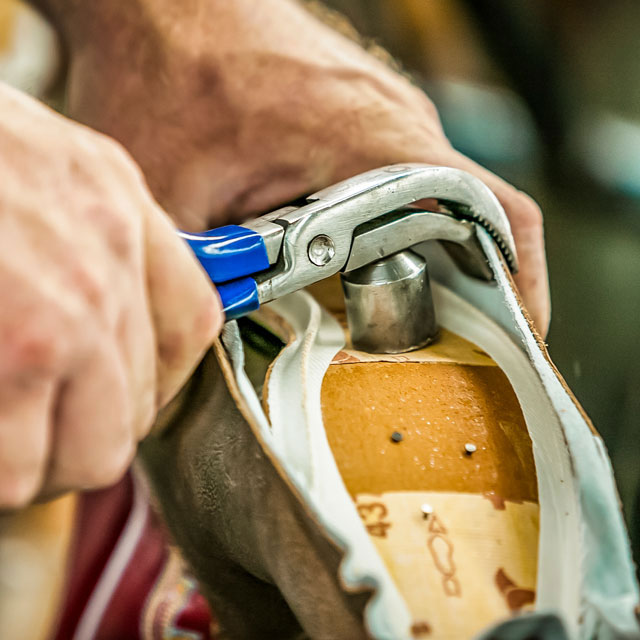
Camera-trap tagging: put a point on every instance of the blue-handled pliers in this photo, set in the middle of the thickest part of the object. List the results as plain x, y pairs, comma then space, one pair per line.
346, 226
231, 255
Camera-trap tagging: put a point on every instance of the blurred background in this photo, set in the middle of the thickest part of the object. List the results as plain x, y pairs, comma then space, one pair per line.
547, 95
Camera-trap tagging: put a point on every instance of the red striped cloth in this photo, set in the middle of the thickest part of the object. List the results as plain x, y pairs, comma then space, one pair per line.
125, 581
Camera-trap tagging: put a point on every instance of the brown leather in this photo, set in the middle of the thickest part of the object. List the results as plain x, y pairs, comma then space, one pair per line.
240, 525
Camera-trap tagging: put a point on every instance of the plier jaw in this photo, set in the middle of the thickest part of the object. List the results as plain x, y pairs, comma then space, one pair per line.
344, 227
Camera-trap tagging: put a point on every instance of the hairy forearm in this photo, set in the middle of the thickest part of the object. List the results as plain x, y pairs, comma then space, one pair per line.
98, 21
232, 107
109, 23
237, 71
103, 24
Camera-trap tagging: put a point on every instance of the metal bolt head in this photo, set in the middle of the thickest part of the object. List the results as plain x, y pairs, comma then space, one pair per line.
321, 250
427, 510
470, 448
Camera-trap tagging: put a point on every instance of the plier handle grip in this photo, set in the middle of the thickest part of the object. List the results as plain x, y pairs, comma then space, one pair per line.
346, 226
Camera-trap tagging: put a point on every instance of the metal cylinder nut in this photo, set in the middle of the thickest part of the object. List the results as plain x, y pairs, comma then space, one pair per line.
389, 305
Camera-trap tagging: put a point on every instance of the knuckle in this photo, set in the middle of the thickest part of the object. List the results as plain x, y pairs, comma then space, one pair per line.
91, 286
120, 232
36, 349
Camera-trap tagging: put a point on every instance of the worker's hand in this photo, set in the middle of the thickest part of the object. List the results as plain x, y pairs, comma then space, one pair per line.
232, 108
103, 313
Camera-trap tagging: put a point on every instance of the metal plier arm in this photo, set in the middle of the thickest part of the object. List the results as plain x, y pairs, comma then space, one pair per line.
346, 226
